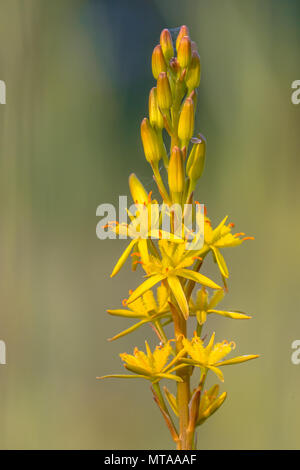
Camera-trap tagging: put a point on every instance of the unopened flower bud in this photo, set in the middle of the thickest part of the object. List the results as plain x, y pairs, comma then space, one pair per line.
184, 31
192, 78
186, 121
184, 52
138, 192
176, 178
196, 160
155, 116
167, 44
158, 61
164, 94
150, 142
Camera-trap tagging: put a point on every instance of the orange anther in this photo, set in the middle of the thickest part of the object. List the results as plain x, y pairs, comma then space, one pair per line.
248, 238
238, 234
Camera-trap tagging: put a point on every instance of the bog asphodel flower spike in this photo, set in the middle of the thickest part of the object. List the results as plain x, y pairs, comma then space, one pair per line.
168, 260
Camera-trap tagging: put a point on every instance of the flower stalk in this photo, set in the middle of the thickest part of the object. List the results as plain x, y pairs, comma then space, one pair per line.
170, 261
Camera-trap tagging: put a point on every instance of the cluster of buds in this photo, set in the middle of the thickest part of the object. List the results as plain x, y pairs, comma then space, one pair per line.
169, 264
172, 106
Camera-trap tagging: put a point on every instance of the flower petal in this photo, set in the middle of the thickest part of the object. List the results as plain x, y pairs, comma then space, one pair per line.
146, 285
125, 313
237, 360
216, 298
122, 376
217, 371
128, 330
177, 290
171, 400
123, 258
221, 261
197, 277
233, 315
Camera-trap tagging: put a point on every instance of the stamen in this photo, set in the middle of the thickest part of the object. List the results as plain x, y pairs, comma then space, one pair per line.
248, 238
238, 234
124, 302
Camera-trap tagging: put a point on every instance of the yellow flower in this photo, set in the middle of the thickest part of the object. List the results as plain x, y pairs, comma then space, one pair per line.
139, 240
171, 265
203, 306
221, 237
210, 403
145, 309
210, 357
151, 366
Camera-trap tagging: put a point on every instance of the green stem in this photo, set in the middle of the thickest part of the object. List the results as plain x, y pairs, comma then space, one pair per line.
183, 388
160, 183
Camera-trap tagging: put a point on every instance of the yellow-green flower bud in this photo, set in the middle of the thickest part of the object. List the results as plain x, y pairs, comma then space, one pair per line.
184, 52
196, 160
186, 121
184, 31
158, 61
138, 192
155, 116
176, 177
150, 142
167, 44
164, 94
192, 78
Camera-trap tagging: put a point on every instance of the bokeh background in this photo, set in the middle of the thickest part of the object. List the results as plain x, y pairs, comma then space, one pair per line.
78, 75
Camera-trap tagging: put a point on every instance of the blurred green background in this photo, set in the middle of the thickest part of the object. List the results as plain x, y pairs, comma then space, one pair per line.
78, 75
